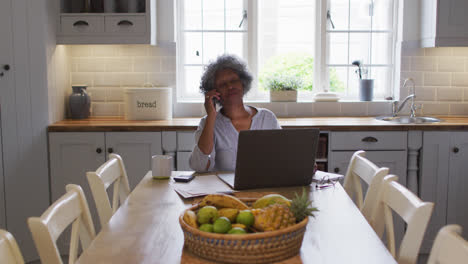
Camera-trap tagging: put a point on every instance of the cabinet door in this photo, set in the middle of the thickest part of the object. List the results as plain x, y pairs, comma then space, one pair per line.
433, 180
451, 19
457, 212
183, 160
136, 149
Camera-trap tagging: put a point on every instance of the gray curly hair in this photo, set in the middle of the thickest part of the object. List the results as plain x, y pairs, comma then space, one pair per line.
226, 61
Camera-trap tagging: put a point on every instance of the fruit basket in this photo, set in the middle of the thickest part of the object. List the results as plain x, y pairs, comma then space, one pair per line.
264, 247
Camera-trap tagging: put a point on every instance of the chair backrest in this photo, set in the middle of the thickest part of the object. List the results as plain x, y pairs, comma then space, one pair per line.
70, 209
449, 247
9, 250
361, 168
111, 172
416, 213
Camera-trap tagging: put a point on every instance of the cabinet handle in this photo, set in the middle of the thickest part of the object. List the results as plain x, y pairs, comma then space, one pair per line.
110, 150
80, 23
98, 150
336, 170
125, 23
6, 67
455, 150
369, 139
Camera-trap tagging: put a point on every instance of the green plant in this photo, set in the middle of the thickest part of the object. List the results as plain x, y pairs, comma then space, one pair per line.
282, 82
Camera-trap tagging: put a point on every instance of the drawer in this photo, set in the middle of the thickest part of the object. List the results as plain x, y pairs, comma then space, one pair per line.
78, 25
126, 25
368, 140
185, 141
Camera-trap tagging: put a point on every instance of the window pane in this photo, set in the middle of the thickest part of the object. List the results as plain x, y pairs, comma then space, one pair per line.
353, 84
235, 43
339, 14
213, 46
381, 48
192, 75
338, 48
360, 15
338, 79
213, 14
234, 14
383, 79
192, 11
193, 48
359, 47
383, 14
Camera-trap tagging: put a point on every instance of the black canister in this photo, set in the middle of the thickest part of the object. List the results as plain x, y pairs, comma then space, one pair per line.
79, 102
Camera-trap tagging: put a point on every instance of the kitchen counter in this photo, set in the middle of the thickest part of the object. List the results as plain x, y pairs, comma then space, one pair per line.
103, 124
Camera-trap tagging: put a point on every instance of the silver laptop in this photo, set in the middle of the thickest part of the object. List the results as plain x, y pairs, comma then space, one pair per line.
273, 158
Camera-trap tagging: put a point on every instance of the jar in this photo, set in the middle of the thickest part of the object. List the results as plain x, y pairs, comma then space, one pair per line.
79, 102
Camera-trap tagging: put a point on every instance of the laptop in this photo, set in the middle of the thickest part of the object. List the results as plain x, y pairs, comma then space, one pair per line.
273, 158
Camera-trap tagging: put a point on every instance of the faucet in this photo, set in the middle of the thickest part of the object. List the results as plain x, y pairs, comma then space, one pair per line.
396, 108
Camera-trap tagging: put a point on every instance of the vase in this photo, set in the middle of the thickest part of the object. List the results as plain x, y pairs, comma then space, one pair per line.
283, 96
79, 102
366, 89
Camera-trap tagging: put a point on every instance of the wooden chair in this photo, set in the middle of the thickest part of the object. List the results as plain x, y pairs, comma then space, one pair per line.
9, 250
70, 209
361, 168
416, 214
449, 247
111, 172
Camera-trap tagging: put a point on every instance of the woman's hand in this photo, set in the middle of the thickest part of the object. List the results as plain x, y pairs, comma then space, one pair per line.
210, 106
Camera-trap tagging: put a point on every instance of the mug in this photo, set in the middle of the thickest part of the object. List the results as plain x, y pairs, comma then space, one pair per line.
161, 166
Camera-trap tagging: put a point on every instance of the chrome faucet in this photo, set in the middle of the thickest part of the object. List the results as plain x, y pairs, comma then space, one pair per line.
396, 108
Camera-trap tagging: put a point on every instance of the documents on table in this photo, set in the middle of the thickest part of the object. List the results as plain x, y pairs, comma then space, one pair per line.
201, 185
322, 176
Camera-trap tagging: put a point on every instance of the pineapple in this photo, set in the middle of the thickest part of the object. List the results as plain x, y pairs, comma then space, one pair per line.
278, 216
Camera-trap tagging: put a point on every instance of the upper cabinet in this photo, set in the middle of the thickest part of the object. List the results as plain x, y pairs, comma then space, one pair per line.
444, 23
107, 22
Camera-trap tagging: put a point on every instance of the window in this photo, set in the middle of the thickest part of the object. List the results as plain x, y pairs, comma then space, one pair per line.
316, 40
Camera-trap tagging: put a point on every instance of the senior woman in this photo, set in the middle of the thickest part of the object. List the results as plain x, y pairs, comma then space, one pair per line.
226, 81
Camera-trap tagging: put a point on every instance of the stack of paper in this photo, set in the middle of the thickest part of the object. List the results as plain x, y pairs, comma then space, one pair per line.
200, 186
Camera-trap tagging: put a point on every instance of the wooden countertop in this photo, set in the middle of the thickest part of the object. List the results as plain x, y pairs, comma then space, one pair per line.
111, 124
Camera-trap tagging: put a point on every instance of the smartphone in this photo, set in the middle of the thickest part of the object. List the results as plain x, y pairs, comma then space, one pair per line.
183, 178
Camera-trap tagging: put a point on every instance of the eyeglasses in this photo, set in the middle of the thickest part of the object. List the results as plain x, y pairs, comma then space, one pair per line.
227, 84
325, 182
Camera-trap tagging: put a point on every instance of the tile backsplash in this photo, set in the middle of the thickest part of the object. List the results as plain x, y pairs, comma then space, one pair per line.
107, 69
441, 79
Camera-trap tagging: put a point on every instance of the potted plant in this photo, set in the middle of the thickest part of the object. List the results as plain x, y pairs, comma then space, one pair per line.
283, 87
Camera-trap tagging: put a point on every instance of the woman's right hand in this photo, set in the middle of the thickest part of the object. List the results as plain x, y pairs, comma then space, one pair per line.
210, 106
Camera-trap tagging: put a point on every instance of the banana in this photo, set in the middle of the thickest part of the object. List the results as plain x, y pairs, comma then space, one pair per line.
223, 201
230, 213
271, 199
190, 218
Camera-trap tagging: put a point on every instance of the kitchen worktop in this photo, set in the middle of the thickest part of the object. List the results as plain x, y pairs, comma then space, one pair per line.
107, 124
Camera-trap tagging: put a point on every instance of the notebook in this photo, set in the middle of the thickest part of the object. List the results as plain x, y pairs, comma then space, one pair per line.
273, 158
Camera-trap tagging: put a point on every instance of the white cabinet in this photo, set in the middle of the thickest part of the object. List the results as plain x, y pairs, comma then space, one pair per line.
444, 180
444, 23
179, 144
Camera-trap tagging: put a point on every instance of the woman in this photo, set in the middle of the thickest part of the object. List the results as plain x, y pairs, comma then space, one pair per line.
225, 82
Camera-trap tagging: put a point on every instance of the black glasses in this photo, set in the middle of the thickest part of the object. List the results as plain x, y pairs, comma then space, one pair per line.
325, 182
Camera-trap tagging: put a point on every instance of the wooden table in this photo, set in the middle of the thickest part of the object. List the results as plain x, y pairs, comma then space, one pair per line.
145, 229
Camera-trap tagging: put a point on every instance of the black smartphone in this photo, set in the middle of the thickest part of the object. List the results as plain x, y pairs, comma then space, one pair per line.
183, 178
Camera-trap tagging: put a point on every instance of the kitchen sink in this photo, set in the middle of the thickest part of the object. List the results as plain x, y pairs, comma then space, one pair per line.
409, 120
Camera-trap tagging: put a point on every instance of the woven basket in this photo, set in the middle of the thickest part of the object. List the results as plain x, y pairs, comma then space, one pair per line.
265, 247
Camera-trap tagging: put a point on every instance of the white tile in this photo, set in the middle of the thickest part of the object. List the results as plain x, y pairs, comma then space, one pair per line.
438, 52
82, 78
97, 93
460, 51
379, 108
412, 52
168, 49
105, 50
418, 77
90, 65
449, 94
278, 108
105, 109
188, 110
146, 64
405, 63
133, 50
327, 109
451, 64
427, 93
114, 94
119, 64
300, 109
436, 79
459, 109
435, 109
168, 64
354, 108
423, 64
465, 94
106, 79
132, 79
162, 79
81, 51
460, 79
121, 109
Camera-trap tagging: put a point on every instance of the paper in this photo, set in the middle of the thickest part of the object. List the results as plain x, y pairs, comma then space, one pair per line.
322, 176
200, 186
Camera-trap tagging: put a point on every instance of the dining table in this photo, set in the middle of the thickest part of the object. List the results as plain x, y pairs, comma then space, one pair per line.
145, 229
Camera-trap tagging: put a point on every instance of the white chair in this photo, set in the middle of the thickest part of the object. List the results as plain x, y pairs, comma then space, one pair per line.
416, 214
361, 168
449, 247
70, 209
111, 172
9, 250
